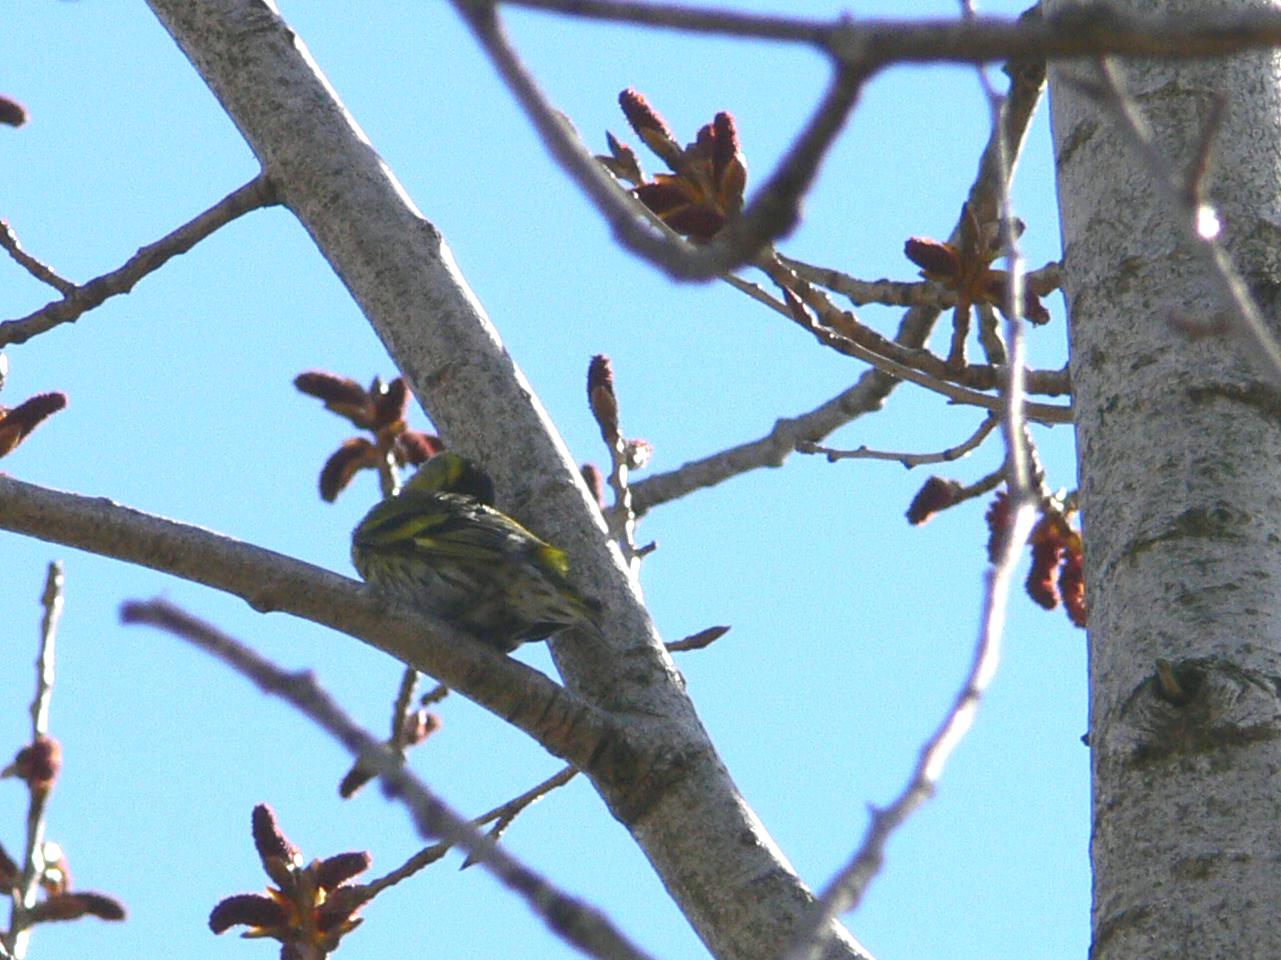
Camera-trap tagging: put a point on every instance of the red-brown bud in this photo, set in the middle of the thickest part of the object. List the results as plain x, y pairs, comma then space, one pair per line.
247, 909
935, 496
12, 113
336, 870
16, 424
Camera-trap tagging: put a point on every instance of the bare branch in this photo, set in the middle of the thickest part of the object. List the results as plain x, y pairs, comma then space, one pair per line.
771, 450
1090, 29
574, 920
270, 581
27, 890
936, 373
897, 293
909, 460
1041, 412
847, 888
52, 601
980, 486
256, 193
429, 855
37, 268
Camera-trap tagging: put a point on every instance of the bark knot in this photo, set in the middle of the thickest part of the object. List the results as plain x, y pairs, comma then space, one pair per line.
1197, 707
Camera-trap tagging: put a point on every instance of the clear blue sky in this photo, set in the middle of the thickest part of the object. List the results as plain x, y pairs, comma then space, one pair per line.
851, 631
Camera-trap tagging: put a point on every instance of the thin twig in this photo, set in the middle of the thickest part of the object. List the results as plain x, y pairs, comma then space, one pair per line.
909, 460
770, 450
52, 601
33, 864
256, 193
429, 855
574, 920
849, 886
898, 293
755, 291
936, 370
434, 695
399, 741
982, 485
503, 816
1041, 412
989, 335
37, 268
400, 709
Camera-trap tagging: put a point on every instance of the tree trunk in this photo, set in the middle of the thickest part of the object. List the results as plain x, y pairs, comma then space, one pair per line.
1178, 447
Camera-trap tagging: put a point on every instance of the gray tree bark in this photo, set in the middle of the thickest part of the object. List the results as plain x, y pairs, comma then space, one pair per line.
1179, 444
681, 806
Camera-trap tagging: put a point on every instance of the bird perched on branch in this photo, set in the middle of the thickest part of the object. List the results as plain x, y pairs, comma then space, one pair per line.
441, 545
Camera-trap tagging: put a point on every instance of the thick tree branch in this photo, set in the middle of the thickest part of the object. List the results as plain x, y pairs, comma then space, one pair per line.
270, 581
1090, 29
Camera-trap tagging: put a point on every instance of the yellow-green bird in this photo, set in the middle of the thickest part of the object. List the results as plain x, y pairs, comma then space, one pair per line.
440, 545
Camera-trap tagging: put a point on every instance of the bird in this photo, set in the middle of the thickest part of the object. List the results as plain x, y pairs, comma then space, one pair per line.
441, 546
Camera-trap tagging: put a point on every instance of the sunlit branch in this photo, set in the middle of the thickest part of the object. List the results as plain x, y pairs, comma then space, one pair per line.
270, 581
1091, 29
846, 889
570, 918
839, 341
80, 299
897, 293
509, 810
909, 460
25, 892
37, 268
933, 372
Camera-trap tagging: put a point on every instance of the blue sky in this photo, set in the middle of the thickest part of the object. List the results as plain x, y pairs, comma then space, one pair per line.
851, 631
